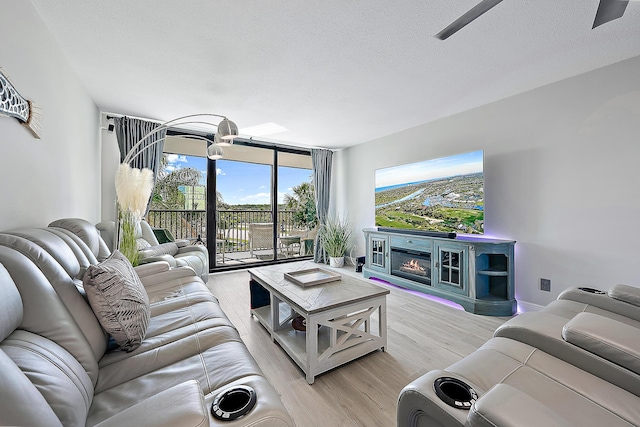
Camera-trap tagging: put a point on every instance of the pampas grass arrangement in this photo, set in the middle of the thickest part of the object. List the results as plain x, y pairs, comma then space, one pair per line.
133, 190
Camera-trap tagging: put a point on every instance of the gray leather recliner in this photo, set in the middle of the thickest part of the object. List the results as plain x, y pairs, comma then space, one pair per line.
58, 367
575, 362
514, 384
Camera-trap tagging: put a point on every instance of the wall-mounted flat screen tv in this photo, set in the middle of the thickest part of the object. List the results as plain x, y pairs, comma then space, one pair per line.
443, 195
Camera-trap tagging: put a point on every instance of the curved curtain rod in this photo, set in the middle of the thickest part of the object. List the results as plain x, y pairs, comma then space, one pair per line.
111, 116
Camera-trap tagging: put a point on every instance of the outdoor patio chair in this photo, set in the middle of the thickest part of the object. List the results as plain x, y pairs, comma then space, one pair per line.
260, 236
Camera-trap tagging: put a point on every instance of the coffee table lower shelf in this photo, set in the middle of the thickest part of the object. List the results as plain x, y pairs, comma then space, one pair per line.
334, 336
292, 341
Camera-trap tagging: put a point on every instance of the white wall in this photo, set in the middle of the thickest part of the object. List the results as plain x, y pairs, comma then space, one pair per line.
58, 175
562, 177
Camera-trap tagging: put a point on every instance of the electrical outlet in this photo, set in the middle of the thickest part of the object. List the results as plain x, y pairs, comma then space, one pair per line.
545, 285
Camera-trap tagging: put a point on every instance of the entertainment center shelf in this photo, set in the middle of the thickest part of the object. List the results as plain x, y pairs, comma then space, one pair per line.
475, 272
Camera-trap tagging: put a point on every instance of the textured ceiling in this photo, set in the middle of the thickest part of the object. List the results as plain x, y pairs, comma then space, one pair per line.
335, 73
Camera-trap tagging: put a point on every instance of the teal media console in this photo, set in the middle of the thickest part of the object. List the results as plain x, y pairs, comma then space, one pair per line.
475, 272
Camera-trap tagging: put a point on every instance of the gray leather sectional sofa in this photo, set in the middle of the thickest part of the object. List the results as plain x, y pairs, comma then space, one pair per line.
59, 367
575, 362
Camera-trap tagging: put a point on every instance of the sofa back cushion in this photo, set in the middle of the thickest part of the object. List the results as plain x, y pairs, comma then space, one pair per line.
54, 372
54, 245
119, 300
21, 404
148, 234
41, 383
64, 286
52, 306
10, 305
626, 293
87, 232
80, 249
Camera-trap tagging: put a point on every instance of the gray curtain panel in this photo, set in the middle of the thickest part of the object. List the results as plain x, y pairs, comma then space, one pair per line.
129, 132
322, 161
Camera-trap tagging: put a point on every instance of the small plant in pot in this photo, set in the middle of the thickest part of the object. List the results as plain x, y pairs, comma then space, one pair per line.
334, 236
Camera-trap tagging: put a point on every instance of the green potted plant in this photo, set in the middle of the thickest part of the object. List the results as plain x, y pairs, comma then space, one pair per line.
334, 236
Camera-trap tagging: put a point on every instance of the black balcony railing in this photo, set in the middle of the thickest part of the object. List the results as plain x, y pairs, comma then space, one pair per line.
232, 225
183, 224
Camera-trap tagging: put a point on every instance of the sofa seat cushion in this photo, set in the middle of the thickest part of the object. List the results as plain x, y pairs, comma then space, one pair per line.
176, 292
175, 289
191, 315
170, 338
178, 299
572, 393
118, 300
544, 331
181, 405
507, 406
171, 345
214, 367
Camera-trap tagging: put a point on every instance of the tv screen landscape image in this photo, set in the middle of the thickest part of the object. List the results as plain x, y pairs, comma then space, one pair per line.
443, 195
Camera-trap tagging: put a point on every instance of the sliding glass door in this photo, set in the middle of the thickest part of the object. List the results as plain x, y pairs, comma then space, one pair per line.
244, 212
257, 218
296, 205
254, 206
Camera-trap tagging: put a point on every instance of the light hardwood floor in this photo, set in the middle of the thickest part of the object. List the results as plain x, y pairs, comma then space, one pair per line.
422, 335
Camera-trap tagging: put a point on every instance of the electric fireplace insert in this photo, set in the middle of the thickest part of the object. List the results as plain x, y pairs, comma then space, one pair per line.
412, 265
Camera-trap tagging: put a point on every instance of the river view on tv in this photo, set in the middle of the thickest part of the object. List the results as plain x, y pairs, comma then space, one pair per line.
445, 195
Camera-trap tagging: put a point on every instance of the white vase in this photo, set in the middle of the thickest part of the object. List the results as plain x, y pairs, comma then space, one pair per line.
336, 261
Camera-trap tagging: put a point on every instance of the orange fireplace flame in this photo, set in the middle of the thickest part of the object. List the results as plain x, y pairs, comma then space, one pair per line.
413, 266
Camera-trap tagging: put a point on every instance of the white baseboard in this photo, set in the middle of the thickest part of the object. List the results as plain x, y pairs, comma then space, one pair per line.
524, 306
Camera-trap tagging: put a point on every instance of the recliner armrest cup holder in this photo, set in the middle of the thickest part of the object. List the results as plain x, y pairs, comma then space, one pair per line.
593, 291
455, 392
233, 403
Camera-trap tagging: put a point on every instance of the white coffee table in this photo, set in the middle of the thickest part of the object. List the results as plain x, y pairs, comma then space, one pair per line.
345, 319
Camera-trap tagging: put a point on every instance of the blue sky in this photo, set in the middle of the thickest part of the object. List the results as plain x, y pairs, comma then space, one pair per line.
460, 164
243, 183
